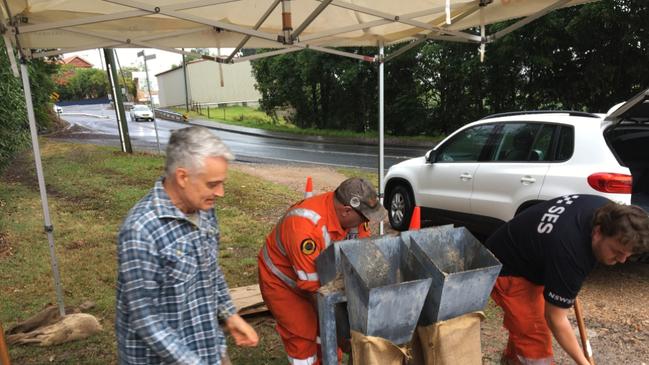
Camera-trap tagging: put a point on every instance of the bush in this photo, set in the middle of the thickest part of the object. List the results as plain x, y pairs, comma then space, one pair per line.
14, 131
14, 127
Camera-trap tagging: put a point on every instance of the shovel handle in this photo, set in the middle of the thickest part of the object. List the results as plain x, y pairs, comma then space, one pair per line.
4, 351
585, 344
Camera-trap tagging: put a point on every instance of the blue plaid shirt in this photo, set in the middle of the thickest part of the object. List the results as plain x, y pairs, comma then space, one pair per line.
170, 289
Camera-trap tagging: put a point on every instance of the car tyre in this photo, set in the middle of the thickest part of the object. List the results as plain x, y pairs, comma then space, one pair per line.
401, 204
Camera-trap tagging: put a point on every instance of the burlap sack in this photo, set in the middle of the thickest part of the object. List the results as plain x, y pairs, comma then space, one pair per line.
452, 342
368, 350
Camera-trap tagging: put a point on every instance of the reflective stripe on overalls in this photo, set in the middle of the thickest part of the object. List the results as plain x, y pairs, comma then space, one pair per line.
298, 212
308, 361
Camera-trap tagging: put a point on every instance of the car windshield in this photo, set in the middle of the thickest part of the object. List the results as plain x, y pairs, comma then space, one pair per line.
141, 108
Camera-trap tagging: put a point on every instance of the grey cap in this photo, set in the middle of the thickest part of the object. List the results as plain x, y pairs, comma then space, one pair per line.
360, 195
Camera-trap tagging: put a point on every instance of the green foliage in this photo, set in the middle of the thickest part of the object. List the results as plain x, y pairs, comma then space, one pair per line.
14, 128
202, 51
321, 90
587, 57
42, 86
82, 83
126, 79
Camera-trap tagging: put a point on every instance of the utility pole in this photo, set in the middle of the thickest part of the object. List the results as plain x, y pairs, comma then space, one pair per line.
101, 59
185, 79
148, 86
116, 92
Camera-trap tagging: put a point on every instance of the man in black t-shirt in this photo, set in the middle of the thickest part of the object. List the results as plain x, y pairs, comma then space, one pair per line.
547, 251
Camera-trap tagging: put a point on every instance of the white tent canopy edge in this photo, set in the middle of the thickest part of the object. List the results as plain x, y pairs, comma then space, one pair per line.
70, 25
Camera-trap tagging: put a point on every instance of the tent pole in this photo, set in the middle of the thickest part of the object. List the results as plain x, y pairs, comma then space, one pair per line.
49, 229
381, 127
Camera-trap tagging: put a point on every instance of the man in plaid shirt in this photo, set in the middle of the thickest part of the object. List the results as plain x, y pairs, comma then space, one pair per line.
171, 291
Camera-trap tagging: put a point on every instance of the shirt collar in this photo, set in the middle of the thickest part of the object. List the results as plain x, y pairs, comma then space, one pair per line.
164, 207
333, 225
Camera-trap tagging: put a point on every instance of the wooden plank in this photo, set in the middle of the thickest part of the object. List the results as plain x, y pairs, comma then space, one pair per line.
248, 300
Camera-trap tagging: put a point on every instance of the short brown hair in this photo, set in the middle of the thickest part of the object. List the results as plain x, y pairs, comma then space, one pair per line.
628, 222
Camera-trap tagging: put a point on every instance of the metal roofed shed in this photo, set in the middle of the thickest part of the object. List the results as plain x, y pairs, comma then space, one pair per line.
210, 84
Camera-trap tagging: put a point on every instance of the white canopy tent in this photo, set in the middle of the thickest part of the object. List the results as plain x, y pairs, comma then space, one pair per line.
39, 28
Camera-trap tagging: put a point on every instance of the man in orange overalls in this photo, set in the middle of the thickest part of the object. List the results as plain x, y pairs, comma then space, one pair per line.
547, 251
287, 269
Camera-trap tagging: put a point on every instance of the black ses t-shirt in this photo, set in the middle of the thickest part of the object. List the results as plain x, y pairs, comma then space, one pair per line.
550, 244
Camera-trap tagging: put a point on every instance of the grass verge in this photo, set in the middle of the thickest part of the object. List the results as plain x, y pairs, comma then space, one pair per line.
254, 118
90, 191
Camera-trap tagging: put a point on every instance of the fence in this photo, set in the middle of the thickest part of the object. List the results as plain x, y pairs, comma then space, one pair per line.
169, 115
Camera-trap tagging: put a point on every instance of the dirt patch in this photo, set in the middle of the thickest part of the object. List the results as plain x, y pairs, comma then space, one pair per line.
614, 299
5, 247
294, 176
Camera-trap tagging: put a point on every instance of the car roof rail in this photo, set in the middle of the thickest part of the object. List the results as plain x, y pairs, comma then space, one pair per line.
569, 112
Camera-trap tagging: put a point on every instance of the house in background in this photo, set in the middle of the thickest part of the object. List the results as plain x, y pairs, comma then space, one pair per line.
76, 61
70, 63
207, 83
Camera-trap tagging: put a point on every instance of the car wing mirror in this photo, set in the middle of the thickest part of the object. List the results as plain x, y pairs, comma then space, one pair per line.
431, 156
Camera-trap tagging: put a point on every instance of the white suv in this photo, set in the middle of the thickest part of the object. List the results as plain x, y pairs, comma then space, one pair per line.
488, 171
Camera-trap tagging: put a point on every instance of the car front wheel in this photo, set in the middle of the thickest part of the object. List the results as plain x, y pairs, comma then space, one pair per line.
401, 205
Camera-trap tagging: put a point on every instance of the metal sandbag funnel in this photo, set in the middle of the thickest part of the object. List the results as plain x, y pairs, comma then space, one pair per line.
462, 269
379, 301
328, 261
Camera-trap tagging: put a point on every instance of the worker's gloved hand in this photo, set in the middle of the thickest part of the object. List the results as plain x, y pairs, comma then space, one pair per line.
243, 333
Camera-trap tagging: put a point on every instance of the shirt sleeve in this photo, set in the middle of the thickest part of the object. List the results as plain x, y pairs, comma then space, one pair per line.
302, 245
225, 308
138, 268
563, 280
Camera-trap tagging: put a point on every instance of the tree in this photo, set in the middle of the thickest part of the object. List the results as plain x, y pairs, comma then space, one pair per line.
14, 127
82, 83
324, 90
582, 58
202, 51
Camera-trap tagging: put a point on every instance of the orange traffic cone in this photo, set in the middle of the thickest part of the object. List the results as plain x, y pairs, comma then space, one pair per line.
415, 219
308, 192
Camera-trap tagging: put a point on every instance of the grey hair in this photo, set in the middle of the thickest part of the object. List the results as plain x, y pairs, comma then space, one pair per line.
188, 148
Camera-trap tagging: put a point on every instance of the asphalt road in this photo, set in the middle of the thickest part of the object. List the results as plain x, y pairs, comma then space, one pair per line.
98, 125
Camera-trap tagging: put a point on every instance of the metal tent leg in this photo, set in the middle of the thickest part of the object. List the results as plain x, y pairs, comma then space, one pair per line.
381, 128
49, 229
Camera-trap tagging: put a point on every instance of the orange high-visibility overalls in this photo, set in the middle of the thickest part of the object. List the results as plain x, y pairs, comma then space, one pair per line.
288, 276
530, 339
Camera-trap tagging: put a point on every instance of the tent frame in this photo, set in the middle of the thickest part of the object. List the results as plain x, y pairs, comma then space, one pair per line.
289, 41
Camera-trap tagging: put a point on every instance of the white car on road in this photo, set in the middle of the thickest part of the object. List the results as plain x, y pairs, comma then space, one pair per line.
141, 112
486, 172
